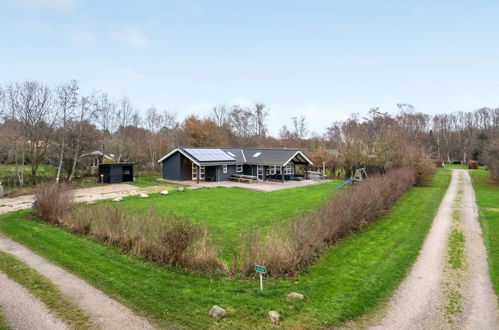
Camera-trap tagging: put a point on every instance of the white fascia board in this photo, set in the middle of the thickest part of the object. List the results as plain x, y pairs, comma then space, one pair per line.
183, 153
301, 154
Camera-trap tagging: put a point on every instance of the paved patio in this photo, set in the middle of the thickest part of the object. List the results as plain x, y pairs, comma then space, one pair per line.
264, 186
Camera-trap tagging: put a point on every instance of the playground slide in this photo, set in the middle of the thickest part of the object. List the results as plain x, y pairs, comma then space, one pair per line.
344, 183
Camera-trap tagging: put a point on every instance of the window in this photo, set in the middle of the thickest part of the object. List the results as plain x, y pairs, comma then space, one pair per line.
289, 169
272, 169
257, 154
239, 168
225, 168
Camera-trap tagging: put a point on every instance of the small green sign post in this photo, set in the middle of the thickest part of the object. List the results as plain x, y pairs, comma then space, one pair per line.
262, 270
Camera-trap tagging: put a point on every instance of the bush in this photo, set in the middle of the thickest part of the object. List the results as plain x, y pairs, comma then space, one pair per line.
424, 169
154, 236
472, 164
54, 202
285, 251
491, 157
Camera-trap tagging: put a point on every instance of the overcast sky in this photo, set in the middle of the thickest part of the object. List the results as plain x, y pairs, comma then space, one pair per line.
322, 59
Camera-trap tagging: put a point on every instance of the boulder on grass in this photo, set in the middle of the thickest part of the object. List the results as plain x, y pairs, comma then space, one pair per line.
118, 199
143, 195
275, 317
295, 295
217, 312
180, 189
164, 192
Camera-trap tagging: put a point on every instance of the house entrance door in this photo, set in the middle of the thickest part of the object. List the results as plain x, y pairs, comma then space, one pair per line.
259, 170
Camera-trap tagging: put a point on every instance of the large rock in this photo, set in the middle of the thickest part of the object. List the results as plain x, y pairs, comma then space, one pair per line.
295, 295
217, 312
143, 195
118, 199
164, 192
275, 317
180, 189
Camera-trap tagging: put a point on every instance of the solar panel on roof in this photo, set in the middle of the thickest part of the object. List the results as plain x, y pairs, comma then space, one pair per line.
209, 155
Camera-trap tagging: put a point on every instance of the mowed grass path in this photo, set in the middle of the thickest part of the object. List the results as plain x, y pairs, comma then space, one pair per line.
487, 198
350, 279
230, 213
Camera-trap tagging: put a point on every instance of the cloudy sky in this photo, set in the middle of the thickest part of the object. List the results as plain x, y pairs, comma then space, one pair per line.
322, 59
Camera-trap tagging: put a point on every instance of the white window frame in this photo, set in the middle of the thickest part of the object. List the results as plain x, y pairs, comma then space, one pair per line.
289, 169
273, 169
239, 168
224, 168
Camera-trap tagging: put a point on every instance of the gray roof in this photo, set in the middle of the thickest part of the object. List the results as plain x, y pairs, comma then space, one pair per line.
251, 156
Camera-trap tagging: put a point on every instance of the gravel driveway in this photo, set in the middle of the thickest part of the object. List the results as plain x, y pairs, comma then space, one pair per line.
81, 195
24, 311
420, 301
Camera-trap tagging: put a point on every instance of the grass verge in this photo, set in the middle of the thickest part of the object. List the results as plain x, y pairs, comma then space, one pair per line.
3, 325
487, 198
45, 290
349, 280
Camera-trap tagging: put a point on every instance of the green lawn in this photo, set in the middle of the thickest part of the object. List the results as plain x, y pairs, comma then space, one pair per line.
9, 180
231, 213
349, 280
487, 198
456, 166
148, 181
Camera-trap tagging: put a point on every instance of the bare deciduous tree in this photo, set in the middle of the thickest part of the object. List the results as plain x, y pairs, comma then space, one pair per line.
30, 105
66, 101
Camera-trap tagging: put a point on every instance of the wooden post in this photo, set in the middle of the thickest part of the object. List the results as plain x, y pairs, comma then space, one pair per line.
197, 173
282, 175
306, 172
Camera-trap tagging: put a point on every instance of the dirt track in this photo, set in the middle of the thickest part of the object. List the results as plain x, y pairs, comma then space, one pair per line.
421, 301
104, 311
24, 311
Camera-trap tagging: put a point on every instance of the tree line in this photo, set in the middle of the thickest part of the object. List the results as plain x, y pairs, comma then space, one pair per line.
40, 124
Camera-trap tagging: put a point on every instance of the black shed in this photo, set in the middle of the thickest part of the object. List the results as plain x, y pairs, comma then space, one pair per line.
116, 172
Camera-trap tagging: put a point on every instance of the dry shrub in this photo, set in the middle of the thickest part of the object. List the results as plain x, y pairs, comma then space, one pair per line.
491, 157
472, 164
287, 250
424, 168
54, 201
152, 235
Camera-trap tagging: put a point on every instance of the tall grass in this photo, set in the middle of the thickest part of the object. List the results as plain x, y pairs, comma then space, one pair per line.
152, 235
157, 237
287, 250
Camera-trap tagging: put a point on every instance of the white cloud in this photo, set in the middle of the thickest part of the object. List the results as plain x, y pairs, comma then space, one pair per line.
132, 37
83, 37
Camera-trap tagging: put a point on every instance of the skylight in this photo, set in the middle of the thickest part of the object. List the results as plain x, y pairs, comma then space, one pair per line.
257, 154
230, 153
